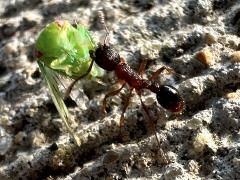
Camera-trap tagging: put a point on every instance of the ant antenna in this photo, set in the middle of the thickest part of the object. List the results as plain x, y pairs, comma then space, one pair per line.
102, 21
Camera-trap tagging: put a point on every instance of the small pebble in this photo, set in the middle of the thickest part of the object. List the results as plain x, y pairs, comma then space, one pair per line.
232, 96
235, 57
20, 137
38, 138
172, 156
149, 100
11, 47
193, 166
4, 120
210, 39
205, 57
202, 139
201, 117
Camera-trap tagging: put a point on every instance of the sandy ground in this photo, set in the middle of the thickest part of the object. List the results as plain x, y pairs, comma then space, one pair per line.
199, 39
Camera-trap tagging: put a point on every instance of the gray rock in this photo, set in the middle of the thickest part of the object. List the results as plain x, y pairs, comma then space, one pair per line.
201, 143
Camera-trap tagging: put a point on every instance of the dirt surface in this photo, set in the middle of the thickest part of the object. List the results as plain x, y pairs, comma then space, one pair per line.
199, 39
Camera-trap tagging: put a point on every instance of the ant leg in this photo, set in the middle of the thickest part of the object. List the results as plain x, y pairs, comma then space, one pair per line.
112, 93
159, 71
164, 158
142, 67
69, 89
126, 103
156, 73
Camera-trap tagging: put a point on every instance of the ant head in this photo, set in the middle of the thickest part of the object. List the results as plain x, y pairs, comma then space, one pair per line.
169, 98
106, 57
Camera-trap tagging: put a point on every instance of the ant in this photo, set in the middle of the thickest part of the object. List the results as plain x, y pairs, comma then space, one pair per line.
108, 58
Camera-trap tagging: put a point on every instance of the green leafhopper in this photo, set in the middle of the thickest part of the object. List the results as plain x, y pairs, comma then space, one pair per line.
62, 49
65, 49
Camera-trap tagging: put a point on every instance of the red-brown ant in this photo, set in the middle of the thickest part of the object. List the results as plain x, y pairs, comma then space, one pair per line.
107, 58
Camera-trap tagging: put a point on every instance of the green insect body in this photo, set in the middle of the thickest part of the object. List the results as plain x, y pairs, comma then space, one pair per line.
65, 49
62, 49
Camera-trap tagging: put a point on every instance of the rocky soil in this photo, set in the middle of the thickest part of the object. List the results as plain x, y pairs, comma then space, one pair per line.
199, 39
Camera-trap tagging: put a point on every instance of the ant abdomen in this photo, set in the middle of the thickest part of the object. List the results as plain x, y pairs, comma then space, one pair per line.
106, 57
169, 98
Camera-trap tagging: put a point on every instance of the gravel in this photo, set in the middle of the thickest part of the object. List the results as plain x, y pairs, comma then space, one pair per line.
199, 39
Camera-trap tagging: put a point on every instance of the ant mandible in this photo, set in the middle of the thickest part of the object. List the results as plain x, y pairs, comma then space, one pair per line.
107, 58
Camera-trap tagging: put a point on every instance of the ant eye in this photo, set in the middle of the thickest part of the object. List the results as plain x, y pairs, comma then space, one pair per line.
169, 98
